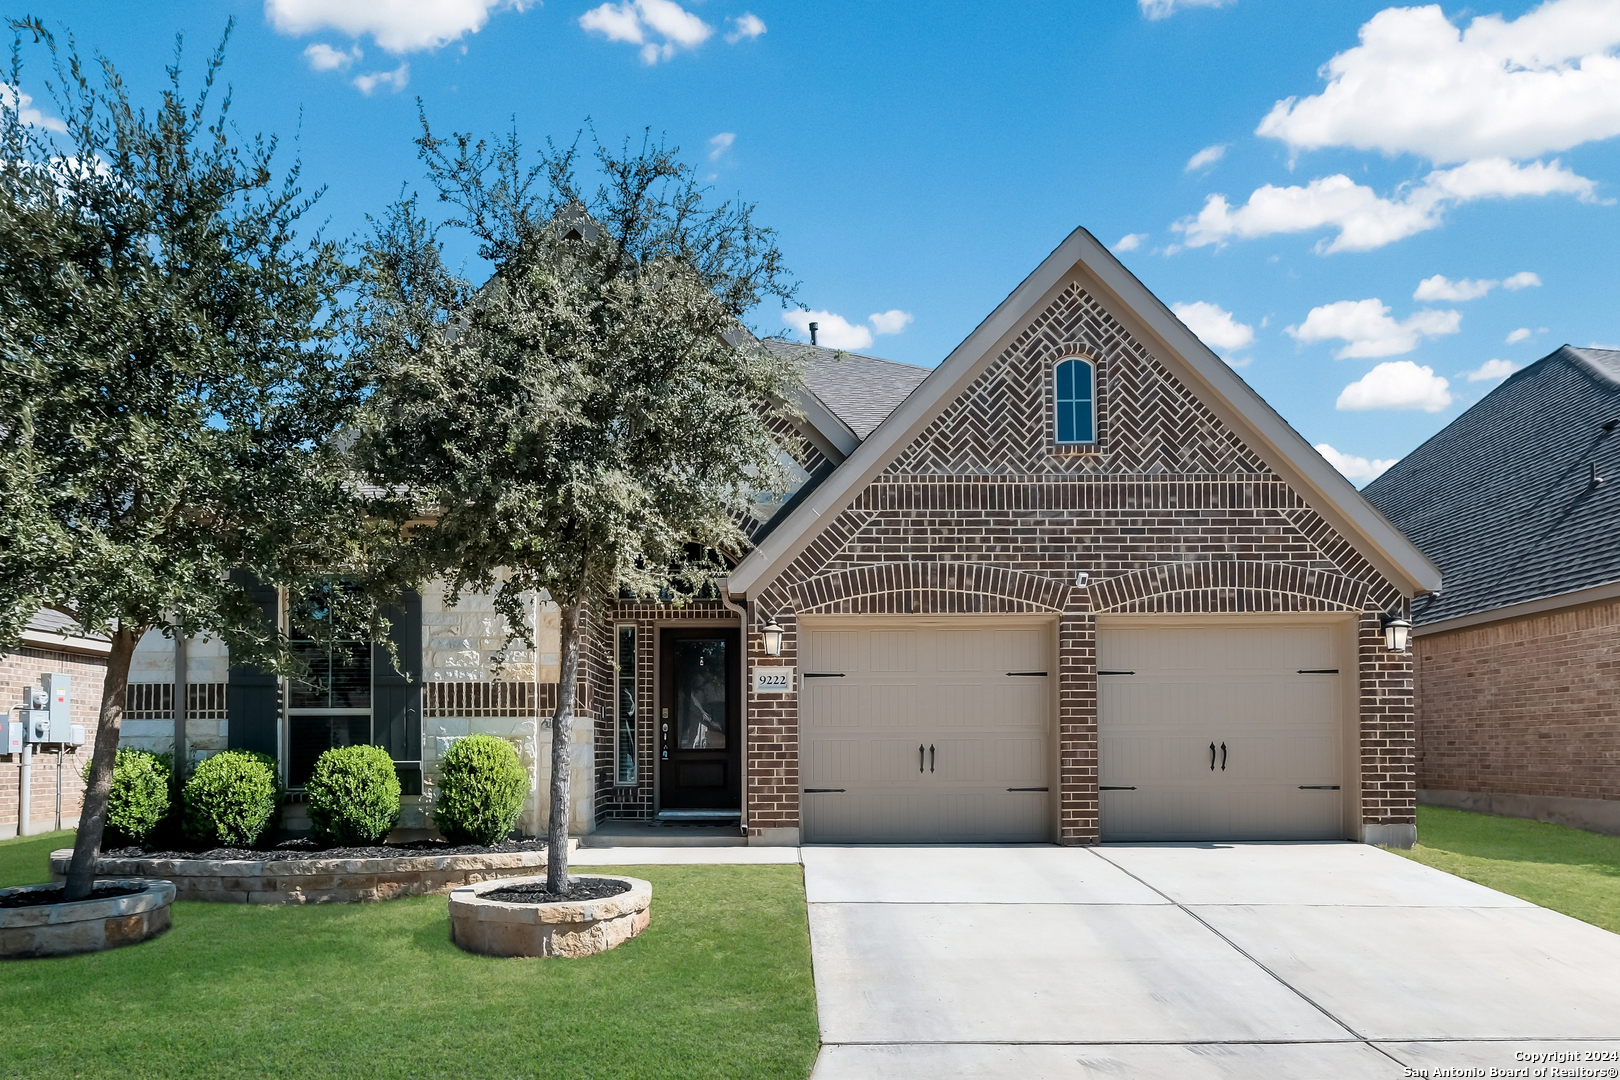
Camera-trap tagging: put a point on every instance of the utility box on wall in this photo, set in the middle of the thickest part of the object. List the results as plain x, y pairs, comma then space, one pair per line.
47, 714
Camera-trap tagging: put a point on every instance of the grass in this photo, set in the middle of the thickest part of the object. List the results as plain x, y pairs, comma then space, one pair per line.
1568, 870
718, 986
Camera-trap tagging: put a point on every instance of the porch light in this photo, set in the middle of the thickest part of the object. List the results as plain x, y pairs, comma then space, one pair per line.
772, 634
1396, 631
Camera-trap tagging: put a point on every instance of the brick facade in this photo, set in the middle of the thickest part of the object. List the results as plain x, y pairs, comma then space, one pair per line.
1525, 707
22, 669
1168, 512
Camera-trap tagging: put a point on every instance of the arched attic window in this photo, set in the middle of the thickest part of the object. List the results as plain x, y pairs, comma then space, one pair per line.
1075, 397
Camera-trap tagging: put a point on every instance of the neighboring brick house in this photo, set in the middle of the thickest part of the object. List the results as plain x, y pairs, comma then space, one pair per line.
50, 646
1518, 659
1077, 583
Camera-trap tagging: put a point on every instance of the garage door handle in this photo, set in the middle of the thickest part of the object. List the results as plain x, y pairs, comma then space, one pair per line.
1223, 757
1028, 674
824, 674
822, 790
1105, 787
1318, 671
1211, 757
1319, 787
930, 757
1027, 789
919, 757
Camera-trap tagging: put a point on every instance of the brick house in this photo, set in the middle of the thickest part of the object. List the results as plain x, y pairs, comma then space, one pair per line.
1077, 583
50, 645
1518, 659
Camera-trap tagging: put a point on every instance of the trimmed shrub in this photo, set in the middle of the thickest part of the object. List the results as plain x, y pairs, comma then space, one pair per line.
232, 798
139, 797
353, 795
481, 789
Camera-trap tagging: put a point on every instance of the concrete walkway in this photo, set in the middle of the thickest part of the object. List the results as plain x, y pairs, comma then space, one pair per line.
1193, 961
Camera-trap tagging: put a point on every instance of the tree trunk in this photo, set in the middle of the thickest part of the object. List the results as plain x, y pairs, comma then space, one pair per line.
562, 730
81, 875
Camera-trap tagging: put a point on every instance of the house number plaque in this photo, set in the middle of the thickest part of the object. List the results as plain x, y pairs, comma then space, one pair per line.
773, 680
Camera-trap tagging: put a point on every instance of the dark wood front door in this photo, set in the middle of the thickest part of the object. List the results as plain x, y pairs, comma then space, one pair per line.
699, 720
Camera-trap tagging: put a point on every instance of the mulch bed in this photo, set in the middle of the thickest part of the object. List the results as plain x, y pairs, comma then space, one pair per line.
294, 850
46, 897
585, 888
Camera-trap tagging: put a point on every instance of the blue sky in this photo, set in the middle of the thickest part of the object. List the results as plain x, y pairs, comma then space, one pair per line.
920, 159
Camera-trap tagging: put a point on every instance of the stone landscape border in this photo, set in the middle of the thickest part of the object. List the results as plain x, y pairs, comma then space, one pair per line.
316, 881
85, 925
572, 929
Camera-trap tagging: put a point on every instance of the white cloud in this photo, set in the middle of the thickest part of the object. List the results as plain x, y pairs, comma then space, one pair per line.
1357, 470
745, 27
1130, 241
1163, 9
322, 57
1492, 369
1523, 333
720, 144
1206, 157
14, 100
1364, 219
833, 331
639, 22
889, 322
399, 26
1544, 82
1524, 279
1396, 384
1369, 330
395, 80
1215, 326
1441, 287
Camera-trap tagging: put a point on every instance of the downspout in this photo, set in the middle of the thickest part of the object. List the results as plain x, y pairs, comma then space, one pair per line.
180, 688
742, 613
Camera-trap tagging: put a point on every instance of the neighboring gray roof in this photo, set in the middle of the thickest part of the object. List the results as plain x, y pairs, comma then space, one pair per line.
1500, 499
860, 390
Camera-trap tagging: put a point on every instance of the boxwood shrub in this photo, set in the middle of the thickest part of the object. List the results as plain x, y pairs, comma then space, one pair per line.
480, 791
353, 795
139, 797
232, 798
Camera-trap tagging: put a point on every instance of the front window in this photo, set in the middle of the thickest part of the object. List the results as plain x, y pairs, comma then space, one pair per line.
625, 722
1076, 401
334, 707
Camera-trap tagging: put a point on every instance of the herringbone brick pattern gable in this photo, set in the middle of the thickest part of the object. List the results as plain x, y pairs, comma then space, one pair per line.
1147, 420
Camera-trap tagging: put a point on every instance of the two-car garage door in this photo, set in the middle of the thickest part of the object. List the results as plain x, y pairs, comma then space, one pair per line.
925, 731
937, 731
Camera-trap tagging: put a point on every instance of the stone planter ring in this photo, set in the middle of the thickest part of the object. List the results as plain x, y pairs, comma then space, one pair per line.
85, 925
568, 928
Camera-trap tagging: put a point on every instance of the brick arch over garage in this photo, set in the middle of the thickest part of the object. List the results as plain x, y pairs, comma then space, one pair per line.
1228, 586
929, 588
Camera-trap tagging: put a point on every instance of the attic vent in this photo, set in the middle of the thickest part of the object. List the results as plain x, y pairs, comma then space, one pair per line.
1610, 425
813, 328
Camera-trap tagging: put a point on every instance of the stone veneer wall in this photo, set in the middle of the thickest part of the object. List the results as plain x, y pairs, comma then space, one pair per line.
1527, 707
461, 646
22, 669
1168, 512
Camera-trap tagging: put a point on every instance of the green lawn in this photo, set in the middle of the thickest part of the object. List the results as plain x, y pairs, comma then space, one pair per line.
1565, 869
718, 986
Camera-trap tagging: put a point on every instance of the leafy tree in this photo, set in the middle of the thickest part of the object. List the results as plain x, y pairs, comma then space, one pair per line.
169, 380
593, 418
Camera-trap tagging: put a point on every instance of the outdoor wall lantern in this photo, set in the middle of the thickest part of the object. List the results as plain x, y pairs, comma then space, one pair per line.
772, 634
1396, 631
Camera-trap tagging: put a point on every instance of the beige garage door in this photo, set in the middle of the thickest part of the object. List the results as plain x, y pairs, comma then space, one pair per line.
916, 731
1220, 732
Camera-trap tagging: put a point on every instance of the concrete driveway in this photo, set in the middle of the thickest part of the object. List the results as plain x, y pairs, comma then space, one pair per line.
1194, 961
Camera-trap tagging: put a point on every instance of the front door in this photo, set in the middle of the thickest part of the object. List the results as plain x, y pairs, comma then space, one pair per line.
699, 721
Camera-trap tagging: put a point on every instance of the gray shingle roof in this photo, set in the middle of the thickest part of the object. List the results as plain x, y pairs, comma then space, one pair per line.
1501, 498
860, 390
